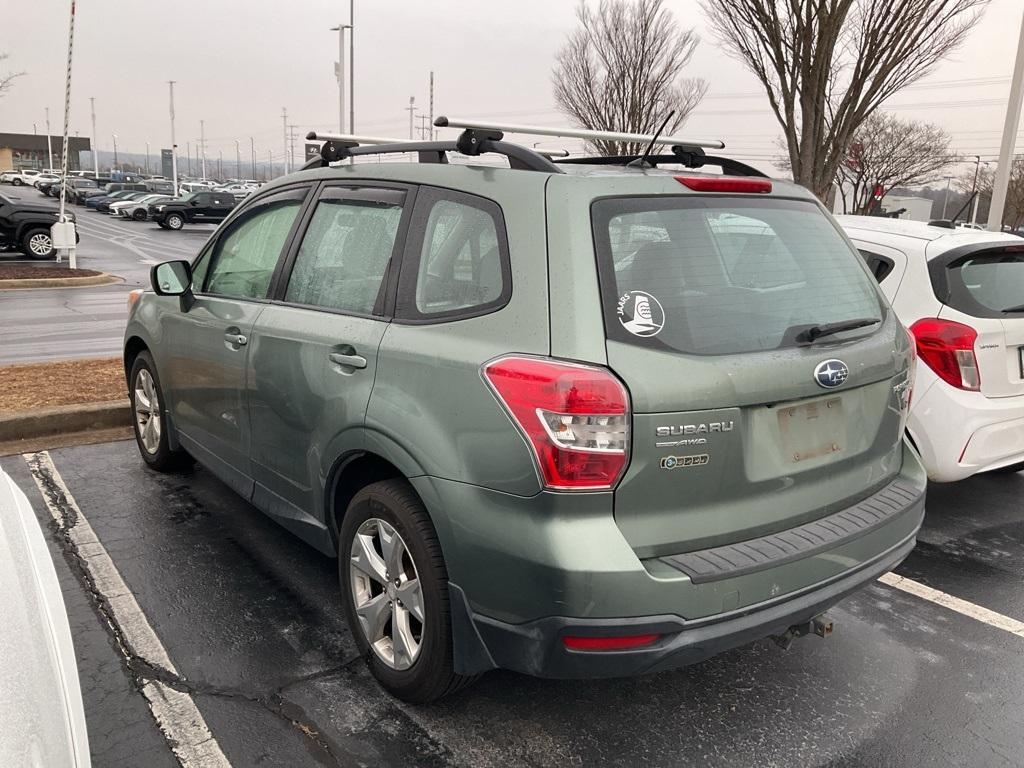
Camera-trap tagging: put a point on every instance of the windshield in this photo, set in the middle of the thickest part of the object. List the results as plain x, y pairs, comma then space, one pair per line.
724, 275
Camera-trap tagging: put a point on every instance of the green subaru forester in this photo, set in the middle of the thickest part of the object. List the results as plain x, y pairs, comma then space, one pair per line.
574, 419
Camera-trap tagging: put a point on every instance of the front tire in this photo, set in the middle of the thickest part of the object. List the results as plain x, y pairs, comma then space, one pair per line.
139, 215
395, 589
149, 417
17, 182
38, 244
175, 221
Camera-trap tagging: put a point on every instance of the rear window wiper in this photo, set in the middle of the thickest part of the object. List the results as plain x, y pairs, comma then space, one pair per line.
1014, 309
815, 332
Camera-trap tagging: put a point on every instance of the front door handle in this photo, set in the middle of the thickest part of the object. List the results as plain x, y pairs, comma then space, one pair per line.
348, 361
238, 339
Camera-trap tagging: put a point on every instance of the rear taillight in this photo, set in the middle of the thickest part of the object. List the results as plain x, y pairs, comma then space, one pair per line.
948, 349
575, 418
725, 184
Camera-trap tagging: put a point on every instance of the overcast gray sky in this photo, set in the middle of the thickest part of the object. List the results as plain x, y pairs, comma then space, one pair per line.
237, 63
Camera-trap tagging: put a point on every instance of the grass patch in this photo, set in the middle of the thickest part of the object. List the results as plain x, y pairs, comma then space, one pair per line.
65, 382
20, 272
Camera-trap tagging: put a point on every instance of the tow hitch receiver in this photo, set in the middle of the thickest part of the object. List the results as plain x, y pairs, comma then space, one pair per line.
819, 625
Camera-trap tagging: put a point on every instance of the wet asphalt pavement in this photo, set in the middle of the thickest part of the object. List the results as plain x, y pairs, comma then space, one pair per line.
50, 324
251, 619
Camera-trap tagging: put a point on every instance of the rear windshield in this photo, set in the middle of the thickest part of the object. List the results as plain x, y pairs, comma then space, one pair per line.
988, 285
724, 275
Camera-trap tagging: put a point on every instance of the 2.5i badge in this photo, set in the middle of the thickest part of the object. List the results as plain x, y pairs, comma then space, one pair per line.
640, 313
678, 462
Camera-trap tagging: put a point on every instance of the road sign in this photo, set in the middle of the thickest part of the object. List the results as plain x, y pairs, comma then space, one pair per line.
312, 151
166, 160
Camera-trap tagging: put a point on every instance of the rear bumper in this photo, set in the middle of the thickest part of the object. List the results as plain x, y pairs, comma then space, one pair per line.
960, 433
536, 648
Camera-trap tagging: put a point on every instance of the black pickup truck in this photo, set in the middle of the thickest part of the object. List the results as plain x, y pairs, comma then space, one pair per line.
194, 208
26, 227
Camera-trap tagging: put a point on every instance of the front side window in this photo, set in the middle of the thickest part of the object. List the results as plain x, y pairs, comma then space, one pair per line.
245, 255
345, 253
724, 275
462, 267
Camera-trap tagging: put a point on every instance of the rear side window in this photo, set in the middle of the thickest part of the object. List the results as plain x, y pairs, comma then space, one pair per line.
724, 275
347, 249
245, 255
458, 264
987, 284
879, 266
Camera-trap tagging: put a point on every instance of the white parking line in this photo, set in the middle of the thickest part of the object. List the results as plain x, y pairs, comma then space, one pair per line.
175, 712
963, 607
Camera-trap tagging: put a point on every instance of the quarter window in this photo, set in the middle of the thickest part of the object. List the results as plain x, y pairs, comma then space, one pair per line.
462, 268
246, 253
347, 249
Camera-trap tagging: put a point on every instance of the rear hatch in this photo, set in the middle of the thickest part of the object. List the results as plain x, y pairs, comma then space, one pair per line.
981, 286
744, 422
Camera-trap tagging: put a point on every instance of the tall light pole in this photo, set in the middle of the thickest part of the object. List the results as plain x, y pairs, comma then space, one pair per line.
410, 109
202, 142
252, 151
95, 147
339, 72
49, 141
174, 147
1002, 182
238, 162
147, 157
270, 165
351, 66
188, 155
220, 165
114, 137
945, 199
284, 119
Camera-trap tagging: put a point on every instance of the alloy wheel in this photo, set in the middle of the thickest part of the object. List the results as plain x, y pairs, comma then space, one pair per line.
147, 411
386, 593
40, 244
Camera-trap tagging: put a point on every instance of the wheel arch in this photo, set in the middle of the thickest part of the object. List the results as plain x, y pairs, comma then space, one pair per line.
133, 345
349, 474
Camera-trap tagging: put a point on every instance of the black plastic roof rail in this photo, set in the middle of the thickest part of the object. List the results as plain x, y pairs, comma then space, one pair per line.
477, 142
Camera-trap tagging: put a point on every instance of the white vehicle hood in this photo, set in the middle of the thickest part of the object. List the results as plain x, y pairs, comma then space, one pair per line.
42, 723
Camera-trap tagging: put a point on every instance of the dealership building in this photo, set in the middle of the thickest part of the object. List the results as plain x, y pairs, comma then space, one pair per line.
28, 150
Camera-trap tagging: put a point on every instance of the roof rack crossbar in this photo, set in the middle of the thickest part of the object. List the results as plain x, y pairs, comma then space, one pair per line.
574, 133
688, 159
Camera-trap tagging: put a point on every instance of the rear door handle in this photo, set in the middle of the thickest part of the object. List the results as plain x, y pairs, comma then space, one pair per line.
236, 338
348, 361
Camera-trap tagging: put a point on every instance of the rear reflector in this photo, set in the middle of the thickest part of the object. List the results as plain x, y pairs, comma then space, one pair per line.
575, 417
724, 184
575, 643
948, 349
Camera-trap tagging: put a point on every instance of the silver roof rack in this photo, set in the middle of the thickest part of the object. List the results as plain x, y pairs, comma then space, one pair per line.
573, 133
348, 139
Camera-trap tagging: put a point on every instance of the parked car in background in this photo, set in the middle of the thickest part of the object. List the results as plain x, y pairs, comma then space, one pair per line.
100, 202
78, 189
8, 176
195, 186
239, 190
961, 294
46, 184
160, 186
42, 720
194, 208
25, 176
573, 420
45, 178
26, 227
138, 209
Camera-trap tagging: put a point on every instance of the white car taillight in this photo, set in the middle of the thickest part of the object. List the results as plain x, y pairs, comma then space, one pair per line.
947, 348
575, 418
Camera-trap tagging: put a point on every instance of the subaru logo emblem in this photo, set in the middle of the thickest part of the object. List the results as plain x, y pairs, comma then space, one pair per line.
831, 373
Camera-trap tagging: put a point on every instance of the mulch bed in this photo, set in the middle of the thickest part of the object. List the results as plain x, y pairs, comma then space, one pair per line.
19, 272
29, 386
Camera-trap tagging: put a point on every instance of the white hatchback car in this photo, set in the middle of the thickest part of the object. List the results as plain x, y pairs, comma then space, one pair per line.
961, 294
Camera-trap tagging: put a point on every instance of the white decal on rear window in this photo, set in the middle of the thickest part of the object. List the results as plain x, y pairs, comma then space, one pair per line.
640, 313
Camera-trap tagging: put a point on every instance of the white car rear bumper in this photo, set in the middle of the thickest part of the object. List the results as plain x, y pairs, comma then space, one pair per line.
959, 434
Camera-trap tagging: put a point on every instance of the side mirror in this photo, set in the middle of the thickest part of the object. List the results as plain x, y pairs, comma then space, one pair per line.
193, 202
173, 278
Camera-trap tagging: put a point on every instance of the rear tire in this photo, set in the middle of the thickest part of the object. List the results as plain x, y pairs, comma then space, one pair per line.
392, 508
175, 221
149, 418
17, 182
139, 215
38, 244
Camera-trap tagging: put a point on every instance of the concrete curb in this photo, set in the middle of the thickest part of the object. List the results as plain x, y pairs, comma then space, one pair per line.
20, 425
59, 282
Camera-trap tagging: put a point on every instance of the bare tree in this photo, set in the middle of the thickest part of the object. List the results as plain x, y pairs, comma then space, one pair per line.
827, 65
9, 78
1013, 211
887, 152
620, 71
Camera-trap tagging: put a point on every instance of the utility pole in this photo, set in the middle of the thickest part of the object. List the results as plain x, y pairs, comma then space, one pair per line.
424, 126
252, 151
974, 189
270, 165
188, 154
220, 165
410, 109
95, 148
431, 105
147, 157
49, 141
174, 146
202, 143
339, 72
1003, 171
291, 146
238, 162
284, 122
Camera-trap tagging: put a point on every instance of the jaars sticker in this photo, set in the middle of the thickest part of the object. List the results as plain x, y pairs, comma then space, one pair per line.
640, 313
